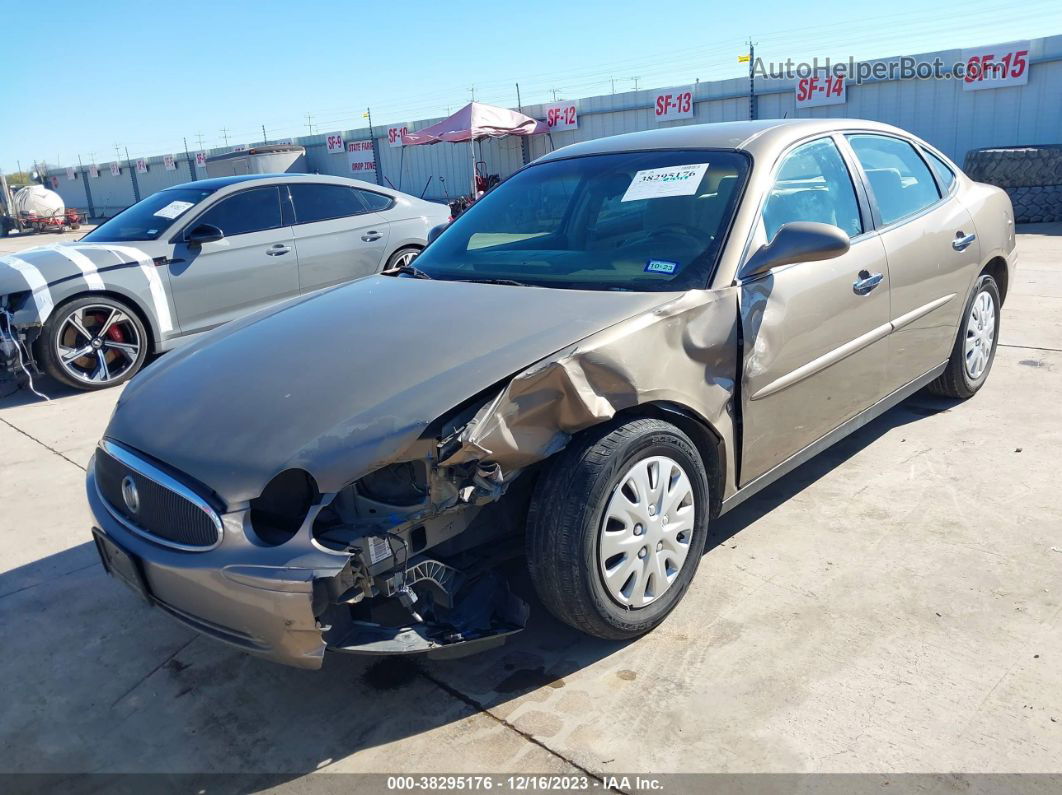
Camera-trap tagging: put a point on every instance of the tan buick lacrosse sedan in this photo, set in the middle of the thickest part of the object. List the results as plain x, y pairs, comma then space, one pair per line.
622, 341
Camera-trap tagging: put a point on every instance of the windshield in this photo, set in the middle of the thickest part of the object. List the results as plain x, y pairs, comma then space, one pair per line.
148, 219
647, 221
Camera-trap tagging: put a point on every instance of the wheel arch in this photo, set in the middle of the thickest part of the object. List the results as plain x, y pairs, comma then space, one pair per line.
999, 270
709, 442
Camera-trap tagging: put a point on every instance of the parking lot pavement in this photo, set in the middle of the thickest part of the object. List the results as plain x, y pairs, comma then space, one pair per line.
15, 243
895, 605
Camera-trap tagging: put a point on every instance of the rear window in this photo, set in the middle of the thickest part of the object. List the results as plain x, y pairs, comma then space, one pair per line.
148, 219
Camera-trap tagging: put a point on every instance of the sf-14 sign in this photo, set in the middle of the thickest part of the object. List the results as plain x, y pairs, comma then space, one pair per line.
819, 90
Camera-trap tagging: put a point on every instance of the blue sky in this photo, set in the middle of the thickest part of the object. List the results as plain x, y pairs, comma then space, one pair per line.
84, 77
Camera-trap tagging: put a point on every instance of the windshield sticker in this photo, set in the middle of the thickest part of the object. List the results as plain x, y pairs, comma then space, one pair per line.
661, 266
658, 183
173, 209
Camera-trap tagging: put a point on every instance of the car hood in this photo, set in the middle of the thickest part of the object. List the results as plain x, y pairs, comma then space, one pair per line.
54, 264
342, 382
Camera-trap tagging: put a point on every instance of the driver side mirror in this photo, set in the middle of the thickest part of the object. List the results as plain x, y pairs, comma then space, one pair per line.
799, 241
435, 231
203, 233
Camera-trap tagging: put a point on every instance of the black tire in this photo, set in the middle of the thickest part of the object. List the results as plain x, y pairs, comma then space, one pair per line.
566, 514
400, 254
955, 381
131, 326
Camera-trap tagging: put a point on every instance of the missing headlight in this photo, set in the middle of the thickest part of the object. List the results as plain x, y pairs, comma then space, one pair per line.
278, 513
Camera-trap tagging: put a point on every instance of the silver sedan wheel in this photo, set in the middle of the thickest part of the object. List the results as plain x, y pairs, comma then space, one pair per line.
97, 343
980, 334
646, 531
406, 259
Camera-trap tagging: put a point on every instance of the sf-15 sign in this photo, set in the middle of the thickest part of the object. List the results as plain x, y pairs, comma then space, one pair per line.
674, 103
997, 66
819, 90
562, 116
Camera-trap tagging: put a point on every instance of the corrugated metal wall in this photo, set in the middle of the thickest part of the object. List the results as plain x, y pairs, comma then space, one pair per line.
939, 111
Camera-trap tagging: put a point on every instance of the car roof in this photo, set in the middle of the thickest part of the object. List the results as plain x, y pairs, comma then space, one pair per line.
217, 183
762, 136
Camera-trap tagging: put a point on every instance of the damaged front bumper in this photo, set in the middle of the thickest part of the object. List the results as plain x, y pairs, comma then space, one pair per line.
290, 611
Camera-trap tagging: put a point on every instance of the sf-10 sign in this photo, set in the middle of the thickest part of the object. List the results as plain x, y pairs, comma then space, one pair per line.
394, 135
334, 143
820, 90
676, 103
996, 66
562, 116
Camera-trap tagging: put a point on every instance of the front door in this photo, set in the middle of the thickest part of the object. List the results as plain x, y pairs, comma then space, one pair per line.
337, 237
815, 348
252, 266
932, 250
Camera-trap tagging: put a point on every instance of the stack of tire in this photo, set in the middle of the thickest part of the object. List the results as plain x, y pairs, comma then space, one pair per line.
1031, 175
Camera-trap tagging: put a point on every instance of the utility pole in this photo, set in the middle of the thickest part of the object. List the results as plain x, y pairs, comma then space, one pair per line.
188, 160
473, 90
199, 138
372, 138
309, 123
554, 90
225, 134
635, 79
752, 79
132, 173
612, 80
88, 190
264, 139
525, 149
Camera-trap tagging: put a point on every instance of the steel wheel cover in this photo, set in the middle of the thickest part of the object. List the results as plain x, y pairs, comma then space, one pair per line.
97, 344
980, 334
646, 531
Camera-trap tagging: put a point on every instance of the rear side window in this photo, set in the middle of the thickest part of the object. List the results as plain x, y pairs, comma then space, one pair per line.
899, 178
374, 201
324, 202
813, 184
945, 175
248, 211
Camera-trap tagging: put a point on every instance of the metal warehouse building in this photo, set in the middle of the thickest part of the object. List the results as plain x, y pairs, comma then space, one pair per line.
942, 110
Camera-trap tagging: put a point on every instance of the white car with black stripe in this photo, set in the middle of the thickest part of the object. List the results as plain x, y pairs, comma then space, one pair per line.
190, 258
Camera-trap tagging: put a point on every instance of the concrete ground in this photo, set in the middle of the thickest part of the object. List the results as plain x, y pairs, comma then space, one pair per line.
895, 605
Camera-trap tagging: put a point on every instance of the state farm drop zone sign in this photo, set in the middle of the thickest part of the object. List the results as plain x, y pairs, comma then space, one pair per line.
360, 159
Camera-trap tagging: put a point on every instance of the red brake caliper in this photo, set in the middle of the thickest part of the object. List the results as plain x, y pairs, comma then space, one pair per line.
115, 334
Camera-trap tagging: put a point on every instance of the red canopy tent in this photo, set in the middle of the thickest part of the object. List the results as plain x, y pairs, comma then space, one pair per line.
474, 122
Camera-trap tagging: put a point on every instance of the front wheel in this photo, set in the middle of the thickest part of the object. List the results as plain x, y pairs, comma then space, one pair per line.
617, 526
975, 346
93, 342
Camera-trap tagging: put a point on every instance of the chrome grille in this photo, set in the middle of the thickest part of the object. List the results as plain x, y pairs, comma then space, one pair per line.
166, 511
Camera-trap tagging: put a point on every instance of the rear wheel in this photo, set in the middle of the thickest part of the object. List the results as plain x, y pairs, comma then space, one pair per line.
93, 342
617, 527
404, 256
975, 346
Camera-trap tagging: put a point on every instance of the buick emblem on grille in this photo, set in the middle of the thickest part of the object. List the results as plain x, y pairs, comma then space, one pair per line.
130, 495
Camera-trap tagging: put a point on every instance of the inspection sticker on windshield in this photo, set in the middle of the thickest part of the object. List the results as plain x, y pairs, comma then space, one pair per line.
657, 183
660, 266
173, 209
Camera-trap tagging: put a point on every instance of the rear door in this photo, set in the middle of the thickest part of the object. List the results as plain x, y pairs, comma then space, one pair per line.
252, 266
932, 250
337, 237
815, 333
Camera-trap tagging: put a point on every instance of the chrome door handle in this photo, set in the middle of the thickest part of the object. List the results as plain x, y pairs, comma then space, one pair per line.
369, 237
866, 282
278, 249
960, 242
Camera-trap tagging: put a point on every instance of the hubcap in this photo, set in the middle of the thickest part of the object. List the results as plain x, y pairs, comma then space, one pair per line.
646, 531
97, 344
980, 334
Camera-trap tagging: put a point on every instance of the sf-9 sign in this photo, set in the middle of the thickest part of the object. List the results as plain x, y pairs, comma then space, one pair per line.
819, 90
562, 116
676, 103
335, 143
996, 66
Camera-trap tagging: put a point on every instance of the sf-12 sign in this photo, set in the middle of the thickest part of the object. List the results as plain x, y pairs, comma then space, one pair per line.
675, 103
562, 116
360, 158
334, 143
997, 66
823, 89
167, 161
200, 159
394, 135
